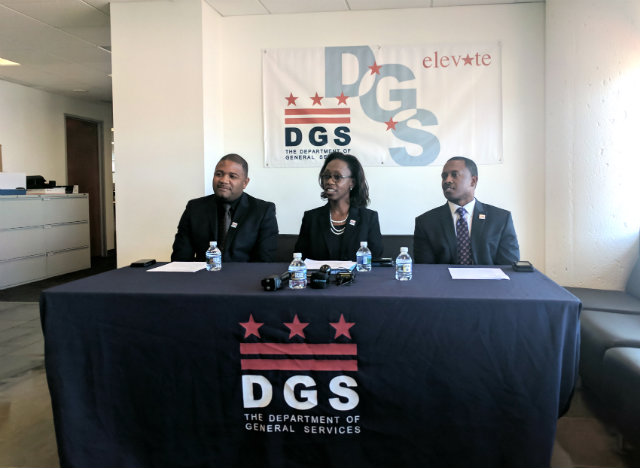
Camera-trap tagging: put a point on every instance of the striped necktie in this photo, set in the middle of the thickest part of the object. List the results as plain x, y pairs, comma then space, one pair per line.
462, 234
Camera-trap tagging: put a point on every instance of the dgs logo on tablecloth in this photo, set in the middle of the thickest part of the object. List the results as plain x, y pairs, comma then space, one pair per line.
289, 369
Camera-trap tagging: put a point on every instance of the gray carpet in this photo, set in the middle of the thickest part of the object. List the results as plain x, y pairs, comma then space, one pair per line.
21, 342
586, 435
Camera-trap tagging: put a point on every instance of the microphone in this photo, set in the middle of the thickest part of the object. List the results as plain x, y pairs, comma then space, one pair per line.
320, 278
274, 282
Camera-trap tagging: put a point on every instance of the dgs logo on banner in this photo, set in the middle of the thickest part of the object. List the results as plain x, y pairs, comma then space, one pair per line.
300, 387
391, 105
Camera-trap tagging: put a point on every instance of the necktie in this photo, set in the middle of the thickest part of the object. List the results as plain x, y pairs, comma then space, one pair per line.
226, 222
464, 243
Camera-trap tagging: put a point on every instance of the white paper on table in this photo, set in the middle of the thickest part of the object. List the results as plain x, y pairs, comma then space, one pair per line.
334, 264
478, 273
180, 267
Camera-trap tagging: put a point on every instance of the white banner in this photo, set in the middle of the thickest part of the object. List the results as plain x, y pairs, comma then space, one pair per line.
386, 105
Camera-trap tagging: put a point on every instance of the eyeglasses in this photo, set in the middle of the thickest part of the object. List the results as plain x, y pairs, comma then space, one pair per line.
336, 177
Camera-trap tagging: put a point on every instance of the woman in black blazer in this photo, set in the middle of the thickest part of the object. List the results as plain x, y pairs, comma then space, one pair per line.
334, 231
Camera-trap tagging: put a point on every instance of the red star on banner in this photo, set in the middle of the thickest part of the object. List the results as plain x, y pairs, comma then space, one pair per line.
342, 99
296, 327
375, 68
391, 124
291, 100
342, 327
316, 99
251, 327
467, 60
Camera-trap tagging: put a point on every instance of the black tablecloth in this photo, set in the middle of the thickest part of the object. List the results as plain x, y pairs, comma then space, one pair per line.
208, 369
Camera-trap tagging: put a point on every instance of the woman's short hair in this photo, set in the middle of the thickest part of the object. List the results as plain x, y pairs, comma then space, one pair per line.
359, 195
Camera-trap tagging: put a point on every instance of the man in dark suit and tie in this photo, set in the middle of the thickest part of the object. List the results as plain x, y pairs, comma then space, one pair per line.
463, 230
245, 227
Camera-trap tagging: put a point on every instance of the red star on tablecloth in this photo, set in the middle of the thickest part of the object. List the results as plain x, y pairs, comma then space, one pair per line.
251, 327
291, 100
342, 327
316, 99
391, 124
467, 60
342, 99
296, 327
375, 68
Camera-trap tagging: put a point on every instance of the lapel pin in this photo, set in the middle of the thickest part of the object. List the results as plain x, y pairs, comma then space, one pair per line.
352, 222
234, 225
482, 216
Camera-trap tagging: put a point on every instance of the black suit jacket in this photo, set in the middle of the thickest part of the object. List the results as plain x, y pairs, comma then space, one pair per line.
253, 239
493, 237
362, 225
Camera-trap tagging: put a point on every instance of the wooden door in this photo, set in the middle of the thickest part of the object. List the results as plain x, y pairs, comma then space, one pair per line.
83, 170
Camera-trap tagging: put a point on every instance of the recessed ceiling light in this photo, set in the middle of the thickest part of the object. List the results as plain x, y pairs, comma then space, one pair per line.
7, 63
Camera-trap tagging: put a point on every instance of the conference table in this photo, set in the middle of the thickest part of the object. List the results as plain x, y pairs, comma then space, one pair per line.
151, 369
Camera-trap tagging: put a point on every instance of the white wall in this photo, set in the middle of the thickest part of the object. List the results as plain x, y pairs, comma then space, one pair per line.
33, 136
158, 115
592, 161
212, 93
157, 127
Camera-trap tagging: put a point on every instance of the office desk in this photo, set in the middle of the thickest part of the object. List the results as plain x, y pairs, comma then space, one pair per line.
208, 369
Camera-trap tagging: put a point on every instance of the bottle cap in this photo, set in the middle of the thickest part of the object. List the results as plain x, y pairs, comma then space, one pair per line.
213, 243
297, 255
404, 249
363, 244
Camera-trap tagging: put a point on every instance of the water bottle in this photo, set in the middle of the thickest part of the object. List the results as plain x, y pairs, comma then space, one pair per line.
214, 257
363, 257
298, 271
404, 267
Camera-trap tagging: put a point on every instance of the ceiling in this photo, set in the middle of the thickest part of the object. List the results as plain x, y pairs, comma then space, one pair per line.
64, 46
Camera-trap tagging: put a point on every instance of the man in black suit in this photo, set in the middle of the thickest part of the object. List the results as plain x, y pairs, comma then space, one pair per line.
483, 235
245, 227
